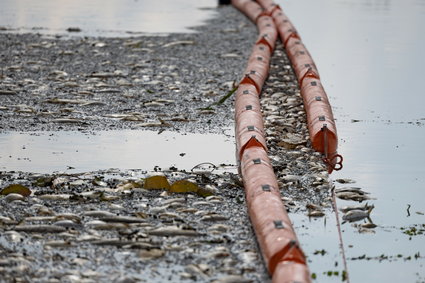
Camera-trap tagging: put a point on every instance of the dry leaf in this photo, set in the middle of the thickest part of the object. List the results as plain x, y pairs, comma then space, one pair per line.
184, 186
157, 182
16, 189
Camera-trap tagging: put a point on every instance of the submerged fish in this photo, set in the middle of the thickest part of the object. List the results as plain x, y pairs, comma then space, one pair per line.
357, 215
352, 196
366, 206
351, 190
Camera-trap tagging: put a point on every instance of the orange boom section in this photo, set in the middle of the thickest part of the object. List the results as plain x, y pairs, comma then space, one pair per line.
279, 245
320, 119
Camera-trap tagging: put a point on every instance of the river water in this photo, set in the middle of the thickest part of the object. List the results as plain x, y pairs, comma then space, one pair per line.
369, 55
105, 18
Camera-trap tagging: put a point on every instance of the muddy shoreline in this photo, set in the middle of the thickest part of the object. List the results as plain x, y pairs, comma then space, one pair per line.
95, 226
123, 83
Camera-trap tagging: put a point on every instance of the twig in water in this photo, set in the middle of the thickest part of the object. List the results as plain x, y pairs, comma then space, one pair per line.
338, 224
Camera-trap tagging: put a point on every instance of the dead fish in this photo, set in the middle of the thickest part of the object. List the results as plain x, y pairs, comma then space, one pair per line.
77, 183
65, 101
12, 197
93, 103
103, 75
67, 224
55, 197
345, 181
201, 270
219, 252
233, 279
107, 197
87, 238
206, 111
316, 213
202, 203
168, 215
173, 231
68, 216
212, 198
151, 254
230, 55
158, 209
351, 189
58, 182
40, 228
39, 218
99, 213
356, 215
214, 217
7, 92
59, 243
102, 225
140, 246
219, 228
137, 118
312, 206
69, 121
111, 242
180, 42
187, 275
108, 90
186, 210
363, 230
90, 195
123, 219
346, 209
133, 43
7, 220
352, 196
368, 225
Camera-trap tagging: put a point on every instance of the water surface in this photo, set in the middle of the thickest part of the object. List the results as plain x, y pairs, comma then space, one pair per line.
105, 18
73, 151
369, 57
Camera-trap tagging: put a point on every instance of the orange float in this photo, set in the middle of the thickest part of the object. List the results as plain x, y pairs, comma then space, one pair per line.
320, 119
279, 246
278, 243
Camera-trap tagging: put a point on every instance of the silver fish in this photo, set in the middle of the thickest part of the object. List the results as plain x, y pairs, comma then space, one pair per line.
346, 209
356, 215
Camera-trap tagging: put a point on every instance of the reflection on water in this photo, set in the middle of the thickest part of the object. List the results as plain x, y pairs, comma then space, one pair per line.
45, 152
369, 56
105, 18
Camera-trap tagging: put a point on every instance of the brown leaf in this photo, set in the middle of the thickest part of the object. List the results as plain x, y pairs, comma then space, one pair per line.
184, 186
16, 189
157, 182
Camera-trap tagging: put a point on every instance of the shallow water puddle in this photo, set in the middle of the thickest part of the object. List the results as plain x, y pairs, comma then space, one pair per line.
45, 152
100, 18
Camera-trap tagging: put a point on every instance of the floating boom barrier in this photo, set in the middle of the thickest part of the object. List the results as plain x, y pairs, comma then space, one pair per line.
320, 119
279, 245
